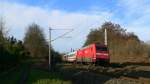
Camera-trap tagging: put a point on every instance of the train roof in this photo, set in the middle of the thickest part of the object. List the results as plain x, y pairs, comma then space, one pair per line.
71, 53
98, 44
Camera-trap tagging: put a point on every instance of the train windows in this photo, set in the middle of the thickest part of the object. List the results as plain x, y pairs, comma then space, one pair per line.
101, 48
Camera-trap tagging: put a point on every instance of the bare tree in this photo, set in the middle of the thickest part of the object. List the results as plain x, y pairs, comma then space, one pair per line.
35, 41
2, 32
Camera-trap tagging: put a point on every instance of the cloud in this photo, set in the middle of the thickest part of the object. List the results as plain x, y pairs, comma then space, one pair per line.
19, 16
137, 15
135, 18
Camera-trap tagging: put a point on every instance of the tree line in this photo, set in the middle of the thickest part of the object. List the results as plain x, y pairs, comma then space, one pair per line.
33, 46
124, 46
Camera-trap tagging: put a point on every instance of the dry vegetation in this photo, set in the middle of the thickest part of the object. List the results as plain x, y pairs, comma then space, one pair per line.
124, 46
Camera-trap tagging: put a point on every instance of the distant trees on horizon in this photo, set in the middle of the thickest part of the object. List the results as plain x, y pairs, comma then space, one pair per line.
34, 45
123, 45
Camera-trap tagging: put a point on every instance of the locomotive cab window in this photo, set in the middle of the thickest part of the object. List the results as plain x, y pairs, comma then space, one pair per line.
101, 48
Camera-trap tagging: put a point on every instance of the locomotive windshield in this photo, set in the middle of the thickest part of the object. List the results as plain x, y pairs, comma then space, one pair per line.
101, 48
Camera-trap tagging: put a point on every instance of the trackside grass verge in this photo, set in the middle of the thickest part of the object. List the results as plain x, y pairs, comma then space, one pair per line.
44, 77
11, 77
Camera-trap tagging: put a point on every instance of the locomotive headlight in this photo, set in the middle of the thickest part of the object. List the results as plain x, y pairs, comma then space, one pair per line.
105, 54
102, 54
98, 53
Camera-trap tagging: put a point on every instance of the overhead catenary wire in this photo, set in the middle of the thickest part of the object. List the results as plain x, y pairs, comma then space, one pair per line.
78, 34
50, 29
98, 21
62, 34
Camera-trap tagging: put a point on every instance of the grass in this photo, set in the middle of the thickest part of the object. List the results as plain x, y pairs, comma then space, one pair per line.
10, 78
44, 77
35, 76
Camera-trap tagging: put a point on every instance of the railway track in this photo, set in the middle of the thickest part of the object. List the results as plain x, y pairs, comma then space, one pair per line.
115, 73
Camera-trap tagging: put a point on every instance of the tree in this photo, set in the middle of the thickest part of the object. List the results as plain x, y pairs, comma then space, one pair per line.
2, 32
12, 51
3, 51
121, 43
35, 41
8, 57
16, 49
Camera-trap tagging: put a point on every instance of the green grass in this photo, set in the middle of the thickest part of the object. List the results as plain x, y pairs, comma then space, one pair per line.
13, 76
44, 77
10, 78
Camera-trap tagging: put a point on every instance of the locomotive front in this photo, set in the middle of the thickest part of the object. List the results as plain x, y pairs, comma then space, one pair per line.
102, 54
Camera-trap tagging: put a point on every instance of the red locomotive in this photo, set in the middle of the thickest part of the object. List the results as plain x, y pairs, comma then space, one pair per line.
93, 53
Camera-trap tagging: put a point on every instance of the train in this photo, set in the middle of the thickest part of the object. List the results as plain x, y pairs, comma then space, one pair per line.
94, 53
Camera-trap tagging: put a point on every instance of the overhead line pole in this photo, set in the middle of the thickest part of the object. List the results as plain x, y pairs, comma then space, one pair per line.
49, 59
50, 40
105, 36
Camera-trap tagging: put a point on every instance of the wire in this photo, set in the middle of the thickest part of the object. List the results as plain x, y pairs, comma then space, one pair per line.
78, 34
62, 35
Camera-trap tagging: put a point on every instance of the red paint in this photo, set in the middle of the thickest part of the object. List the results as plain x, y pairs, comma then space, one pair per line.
92, 53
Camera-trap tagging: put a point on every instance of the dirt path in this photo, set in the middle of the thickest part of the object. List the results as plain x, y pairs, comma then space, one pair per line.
24, 75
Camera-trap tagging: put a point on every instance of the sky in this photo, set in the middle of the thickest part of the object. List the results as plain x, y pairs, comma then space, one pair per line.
80, 15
